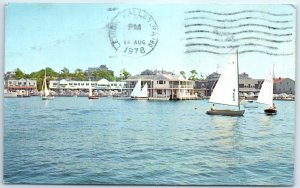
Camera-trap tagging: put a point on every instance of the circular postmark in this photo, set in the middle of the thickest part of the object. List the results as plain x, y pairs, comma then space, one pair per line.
133, 32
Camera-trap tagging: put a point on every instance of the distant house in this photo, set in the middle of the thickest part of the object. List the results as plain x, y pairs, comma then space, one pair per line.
91, 70
21, 84
246, 84
163, 85
284, 85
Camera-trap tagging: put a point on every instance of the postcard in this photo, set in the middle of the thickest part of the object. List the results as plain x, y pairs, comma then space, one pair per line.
149, 94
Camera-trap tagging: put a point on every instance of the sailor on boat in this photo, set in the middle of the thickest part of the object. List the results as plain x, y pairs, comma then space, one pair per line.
213, 108
273, 107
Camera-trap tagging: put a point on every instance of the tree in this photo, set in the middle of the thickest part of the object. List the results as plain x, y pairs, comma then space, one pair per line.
124, 74
79, 74
193, 75
183, 74
19, 73
108, 75
65, 73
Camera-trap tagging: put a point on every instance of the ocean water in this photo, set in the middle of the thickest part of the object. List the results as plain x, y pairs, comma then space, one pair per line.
78, 141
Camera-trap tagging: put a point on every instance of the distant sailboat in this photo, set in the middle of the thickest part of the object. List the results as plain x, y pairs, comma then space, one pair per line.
139, 93
91, 96
266, 94
46, 94
226, 91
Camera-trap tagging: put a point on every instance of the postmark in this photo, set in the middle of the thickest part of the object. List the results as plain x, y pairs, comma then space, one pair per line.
133, 32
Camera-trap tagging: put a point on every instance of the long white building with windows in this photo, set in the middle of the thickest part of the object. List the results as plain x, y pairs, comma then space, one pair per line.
103, 84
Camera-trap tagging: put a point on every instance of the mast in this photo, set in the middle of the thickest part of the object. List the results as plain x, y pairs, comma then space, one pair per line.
238, 81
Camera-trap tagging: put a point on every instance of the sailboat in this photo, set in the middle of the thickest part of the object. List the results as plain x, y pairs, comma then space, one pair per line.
266, 94
91, 96
226, 91
46, 94
139, 93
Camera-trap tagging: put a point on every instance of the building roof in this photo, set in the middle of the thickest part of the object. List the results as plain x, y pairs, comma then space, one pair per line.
103, 82
278, 80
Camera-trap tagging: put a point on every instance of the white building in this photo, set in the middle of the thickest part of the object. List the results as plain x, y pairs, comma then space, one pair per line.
103, 84
164, 86
21, 84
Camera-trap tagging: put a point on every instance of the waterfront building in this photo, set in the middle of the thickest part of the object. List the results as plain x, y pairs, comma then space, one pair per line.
163, 85
284, 85
247, 85
72, 85
20, 84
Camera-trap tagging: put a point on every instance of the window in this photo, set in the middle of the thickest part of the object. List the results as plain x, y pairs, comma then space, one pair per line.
82, 84
87, 84
161, 82
75, 84
70, 84
159, 91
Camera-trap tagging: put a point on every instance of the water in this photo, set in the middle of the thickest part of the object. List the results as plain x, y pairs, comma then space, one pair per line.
80, 141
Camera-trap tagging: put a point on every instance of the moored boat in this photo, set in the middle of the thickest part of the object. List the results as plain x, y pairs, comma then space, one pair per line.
137, 93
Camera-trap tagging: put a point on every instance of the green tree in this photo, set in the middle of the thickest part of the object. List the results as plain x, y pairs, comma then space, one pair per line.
124, 74
65, 73
79, 74
109, 75
183, 74
19, 73
193, 75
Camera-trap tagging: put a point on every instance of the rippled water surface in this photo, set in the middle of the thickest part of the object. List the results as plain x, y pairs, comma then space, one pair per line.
80, 141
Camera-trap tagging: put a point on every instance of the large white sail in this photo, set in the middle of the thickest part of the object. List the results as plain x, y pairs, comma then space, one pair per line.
226, 89
144, 92
137, 89
266, 92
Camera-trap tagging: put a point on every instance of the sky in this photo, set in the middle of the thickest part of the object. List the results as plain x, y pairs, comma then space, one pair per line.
78, 36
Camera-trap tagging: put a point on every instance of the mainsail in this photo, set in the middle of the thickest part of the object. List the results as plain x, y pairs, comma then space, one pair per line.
137, 89
266, 93
144, 92
226, 89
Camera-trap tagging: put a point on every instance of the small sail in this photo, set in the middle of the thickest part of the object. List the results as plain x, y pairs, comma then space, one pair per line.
90, 88
144, 92
266, 92
137, 89
226, 89
46, 91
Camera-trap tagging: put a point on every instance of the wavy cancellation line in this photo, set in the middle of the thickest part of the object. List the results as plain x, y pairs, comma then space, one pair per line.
239, 39
232, 46
240, 52
238, 26
239, 12
238, 19
238, 32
